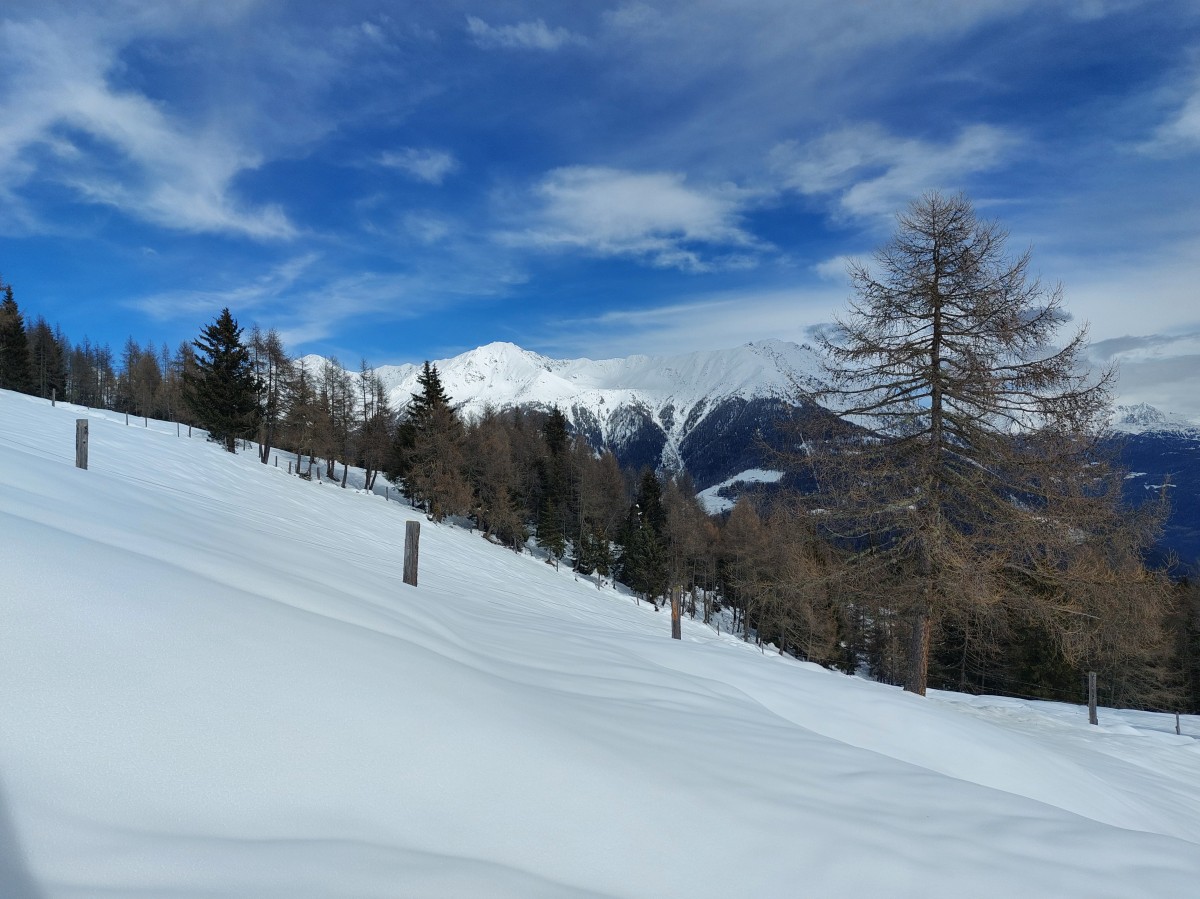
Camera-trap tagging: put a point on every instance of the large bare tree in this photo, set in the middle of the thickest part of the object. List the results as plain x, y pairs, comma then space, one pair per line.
974, 482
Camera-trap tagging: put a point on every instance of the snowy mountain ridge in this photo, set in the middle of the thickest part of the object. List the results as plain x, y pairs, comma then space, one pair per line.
672, 412
503, 374
1142, 418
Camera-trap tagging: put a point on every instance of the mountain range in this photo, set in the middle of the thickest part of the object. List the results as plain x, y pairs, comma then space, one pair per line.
719, 414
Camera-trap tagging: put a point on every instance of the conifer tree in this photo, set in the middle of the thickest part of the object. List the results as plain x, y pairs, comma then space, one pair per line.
14, 346
46, 361
977, 484
222, 392
427, 453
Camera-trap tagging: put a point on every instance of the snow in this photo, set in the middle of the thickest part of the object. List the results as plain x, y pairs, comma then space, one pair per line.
1141, 418
503, 374
213, 683
715, 504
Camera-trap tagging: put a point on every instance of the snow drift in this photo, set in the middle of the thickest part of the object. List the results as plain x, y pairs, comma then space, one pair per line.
214, 683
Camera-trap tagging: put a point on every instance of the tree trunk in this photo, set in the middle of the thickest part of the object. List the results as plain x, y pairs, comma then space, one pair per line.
917, 679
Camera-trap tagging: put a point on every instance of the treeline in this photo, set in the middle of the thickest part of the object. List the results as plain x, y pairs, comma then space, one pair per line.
818, 574
40, 360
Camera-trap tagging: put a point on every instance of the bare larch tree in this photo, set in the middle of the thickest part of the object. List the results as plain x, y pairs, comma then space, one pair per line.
974, 482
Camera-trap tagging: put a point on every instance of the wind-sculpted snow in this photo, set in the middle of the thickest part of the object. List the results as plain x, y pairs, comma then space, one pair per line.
214, 684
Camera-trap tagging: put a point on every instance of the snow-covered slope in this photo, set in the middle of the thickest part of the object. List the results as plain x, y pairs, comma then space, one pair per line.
214, 684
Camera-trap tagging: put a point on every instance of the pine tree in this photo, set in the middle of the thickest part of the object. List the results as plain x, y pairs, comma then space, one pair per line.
15, 371
222, 392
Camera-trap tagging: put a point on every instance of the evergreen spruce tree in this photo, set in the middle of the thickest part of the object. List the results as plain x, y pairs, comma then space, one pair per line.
644, 564
47, 362
427, 453
14, 347
222, 392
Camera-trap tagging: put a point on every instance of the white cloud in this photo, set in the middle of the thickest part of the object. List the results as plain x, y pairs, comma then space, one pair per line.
1162, 370
654, 216
145, 162
535, 35
1180, 133
834, 269
871, 172
711, 321
423, 164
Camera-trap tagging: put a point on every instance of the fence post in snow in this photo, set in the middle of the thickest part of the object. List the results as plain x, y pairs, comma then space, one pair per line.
412, 538
53, 397
81, 443
676, 624
1092, 698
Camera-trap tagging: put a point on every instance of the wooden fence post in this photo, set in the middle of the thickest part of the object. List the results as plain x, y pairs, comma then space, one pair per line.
412, 539
81, 443
676, 624
1092, 698
53, 396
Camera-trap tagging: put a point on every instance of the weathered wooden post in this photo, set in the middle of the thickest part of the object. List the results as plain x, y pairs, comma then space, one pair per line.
53, 396
176, 429
289, 467
412, 539
126, 419
676, 623
81, 443
1092, 698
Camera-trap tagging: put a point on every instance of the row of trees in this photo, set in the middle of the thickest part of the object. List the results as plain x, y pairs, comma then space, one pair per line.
40, 360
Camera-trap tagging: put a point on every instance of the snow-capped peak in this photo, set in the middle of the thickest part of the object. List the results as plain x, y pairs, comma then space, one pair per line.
1142, 417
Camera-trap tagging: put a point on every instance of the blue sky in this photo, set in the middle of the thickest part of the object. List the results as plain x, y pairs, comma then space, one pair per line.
408, 180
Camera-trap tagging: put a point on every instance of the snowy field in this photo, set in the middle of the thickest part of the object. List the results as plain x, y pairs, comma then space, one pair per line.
214, 684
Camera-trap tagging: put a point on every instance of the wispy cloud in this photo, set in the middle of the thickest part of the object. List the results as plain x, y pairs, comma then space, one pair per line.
244, 297
112, 145
1158, 369
1180, 133
533, 35
870, 172
709, 321
653, 216
421, 163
